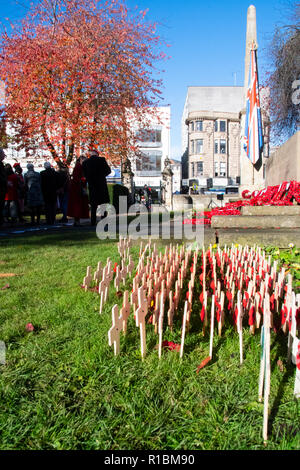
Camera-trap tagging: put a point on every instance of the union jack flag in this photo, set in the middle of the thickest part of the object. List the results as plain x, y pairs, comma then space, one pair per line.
253, 138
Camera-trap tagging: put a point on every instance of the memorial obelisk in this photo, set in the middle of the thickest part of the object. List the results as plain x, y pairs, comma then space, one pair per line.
251, 176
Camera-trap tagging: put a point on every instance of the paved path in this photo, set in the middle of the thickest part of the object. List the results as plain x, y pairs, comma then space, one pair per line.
277, 237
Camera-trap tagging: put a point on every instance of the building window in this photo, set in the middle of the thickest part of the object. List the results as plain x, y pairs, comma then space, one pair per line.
149, 164
192, 126
222, 146
192, 147
199, 146
216, 146
200, 168
199, 126
216, 168
148, 135
222, 126
193, 170
216, 126
223, 169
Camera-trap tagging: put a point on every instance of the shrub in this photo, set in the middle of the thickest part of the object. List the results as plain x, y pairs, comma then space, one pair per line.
115, 191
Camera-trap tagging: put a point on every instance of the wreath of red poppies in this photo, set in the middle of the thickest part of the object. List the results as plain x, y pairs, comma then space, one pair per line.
282, 195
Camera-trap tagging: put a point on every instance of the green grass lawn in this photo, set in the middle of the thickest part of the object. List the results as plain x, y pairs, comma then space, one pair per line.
62, 387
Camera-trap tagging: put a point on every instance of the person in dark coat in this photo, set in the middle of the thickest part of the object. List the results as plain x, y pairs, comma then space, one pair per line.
34, 195
147, 196
21, 191
95, 169
3, 186
49, 184
78, 204
63, 190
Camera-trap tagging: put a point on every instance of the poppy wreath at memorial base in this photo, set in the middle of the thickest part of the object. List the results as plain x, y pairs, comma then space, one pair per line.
285, 194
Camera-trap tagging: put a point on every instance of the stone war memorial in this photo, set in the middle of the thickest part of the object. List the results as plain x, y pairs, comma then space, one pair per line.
148, 324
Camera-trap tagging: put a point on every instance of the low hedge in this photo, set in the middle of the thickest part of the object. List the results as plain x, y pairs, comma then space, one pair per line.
115, 191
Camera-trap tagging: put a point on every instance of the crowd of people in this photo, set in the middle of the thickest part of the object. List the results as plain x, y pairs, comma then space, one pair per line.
144, 196
76, 195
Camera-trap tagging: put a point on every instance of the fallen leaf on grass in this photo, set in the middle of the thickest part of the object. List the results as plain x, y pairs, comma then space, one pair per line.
7, 286
29, 327
7, 275
169, 345
203, 363
93, 289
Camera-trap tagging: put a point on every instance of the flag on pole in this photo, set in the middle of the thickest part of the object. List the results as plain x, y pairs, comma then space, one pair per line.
253, 138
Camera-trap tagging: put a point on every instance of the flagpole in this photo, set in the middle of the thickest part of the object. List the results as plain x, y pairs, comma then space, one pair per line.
254, 48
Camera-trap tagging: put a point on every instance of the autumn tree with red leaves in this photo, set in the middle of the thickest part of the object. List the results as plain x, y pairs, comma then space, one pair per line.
77, 73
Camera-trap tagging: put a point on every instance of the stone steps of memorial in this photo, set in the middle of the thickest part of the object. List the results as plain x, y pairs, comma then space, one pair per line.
271, 210
256, 221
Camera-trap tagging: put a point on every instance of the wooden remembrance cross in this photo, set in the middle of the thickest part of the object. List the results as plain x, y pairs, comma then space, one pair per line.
114, 332
141, 314
88, 278
103, 290
161, 324
125, 310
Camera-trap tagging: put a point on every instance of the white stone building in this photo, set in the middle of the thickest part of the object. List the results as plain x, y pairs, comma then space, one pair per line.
176, 168
154, 145
211, 134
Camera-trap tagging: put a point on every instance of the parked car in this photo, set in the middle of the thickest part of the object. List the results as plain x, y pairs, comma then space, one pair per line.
231, 190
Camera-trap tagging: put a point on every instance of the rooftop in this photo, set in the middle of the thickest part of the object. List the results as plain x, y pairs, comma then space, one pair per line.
217, 99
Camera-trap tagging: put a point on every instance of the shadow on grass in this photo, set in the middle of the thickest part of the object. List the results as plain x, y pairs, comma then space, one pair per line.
44, 239
281, 349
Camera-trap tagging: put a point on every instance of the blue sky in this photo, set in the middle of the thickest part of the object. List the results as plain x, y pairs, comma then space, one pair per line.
207, 41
